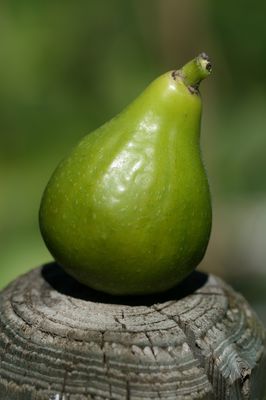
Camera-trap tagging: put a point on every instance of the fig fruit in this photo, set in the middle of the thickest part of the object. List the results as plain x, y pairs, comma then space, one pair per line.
129, 211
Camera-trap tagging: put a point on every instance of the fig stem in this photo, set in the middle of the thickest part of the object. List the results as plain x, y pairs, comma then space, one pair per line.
196, 70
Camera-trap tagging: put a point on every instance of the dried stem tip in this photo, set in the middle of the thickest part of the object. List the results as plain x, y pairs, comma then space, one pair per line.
196, 70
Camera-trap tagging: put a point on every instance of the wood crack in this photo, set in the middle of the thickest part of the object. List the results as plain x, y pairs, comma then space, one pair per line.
151, 345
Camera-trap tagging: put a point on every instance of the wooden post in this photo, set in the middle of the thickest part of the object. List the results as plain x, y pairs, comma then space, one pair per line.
61, 340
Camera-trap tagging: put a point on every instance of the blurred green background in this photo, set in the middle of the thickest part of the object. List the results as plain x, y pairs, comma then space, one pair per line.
66, 67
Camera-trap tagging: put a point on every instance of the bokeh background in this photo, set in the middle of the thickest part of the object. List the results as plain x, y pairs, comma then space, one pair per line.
68, 66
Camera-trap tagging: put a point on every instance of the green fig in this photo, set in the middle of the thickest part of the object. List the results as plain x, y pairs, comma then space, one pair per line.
129, 211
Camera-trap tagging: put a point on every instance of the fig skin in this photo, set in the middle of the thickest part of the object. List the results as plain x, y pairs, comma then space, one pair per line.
129, 211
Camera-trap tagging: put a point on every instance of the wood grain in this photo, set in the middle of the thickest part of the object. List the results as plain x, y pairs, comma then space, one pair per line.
62, 341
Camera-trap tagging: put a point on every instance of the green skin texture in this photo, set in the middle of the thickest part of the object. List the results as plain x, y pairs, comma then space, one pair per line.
129, 211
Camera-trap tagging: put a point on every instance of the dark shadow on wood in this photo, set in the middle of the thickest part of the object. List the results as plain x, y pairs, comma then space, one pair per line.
55, 276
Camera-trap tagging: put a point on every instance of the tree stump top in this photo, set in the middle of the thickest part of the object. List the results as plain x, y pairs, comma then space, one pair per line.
60, 340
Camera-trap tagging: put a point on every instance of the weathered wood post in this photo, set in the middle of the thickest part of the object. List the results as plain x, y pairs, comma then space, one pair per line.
61, 340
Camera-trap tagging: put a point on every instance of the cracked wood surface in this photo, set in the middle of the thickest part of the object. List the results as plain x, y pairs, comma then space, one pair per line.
62, 341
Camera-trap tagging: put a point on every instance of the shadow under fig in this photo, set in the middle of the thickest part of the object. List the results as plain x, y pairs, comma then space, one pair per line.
55, 276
